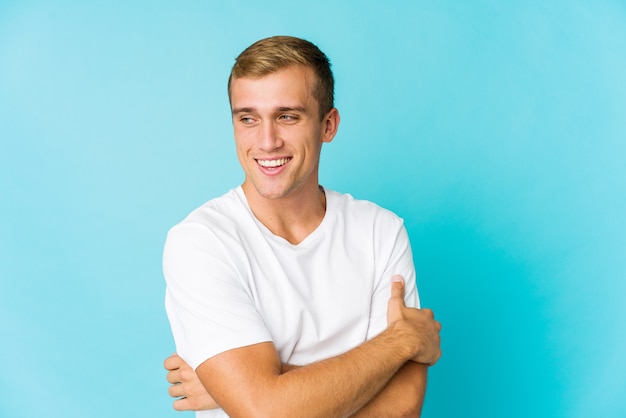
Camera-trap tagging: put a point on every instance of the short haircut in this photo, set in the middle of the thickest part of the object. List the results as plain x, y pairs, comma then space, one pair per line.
269, 55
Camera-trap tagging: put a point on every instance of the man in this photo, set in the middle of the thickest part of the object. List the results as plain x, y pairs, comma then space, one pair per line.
286, 298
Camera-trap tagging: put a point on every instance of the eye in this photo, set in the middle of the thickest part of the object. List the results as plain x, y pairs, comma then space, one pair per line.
246, 120
288, 118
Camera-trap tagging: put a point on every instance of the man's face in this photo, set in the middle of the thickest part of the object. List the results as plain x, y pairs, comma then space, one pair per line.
279, 132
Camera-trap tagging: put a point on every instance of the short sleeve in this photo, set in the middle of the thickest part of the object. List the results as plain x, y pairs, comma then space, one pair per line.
394, 257
208, 302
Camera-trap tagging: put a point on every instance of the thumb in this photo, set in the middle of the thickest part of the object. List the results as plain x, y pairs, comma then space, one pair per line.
397, 286
396, 301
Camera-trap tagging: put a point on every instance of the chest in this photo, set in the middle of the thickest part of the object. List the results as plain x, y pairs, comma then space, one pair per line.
315, 301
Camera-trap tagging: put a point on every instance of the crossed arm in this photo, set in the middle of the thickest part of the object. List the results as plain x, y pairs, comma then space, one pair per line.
383, 375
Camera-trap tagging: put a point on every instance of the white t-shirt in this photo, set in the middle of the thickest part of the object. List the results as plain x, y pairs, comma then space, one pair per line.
232, 283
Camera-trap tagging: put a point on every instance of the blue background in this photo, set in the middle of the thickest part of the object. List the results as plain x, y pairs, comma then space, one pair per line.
496, 129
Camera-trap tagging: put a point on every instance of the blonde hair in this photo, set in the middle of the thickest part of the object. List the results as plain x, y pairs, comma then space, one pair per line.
279, 52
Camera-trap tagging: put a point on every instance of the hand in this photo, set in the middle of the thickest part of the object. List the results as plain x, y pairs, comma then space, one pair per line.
186, 386
420, 323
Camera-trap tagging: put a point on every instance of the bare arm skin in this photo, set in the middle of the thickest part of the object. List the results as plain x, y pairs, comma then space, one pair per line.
368, 380
403, 396
405, 391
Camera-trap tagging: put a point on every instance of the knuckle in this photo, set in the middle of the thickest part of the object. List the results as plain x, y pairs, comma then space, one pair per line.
194, 404
187, 374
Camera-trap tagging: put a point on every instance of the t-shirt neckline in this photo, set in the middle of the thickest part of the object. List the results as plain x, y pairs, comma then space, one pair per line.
312, 237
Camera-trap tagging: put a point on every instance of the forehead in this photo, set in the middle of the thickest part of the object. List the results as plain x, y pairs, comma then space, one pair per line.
286, 87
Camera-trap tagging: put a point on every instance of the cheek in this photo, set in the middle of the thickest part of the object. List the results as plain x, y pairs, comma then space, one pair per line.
242, 153
243, 140
241, 149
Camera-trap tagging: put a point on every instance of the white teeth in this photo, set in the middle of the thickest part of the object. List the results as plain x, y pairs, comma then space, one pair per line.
273, 163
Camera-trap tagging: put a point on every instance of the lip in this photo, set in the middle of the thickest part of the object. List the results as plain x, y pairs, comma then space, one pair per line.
272, 166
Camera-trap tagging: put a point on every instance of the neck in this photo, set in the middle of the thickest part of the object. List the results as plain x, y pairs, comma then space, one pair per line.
292, 217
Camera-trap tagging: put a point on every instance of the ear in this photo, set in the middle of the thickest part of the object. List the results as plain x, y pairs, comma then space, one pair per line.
330, 125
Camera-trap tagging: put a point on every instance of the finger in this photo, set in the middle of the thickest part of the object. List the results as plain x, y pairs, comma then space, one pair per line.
397, 286
189, 404
176, 391
436, 359
182, 405
188, 375
173, 376
428, 312
172, 362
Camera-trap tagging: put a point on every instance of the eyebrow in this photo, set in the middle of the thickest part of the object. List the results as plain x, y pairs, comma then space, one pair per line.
300, 109
242, 110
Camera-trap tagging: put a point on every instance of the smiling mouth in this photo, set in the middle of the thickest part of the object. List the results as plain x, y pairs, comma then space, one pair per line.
273, 163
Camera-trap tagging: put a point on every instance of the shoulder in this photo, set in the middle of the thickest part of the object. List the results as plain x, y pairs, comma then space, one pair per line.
217, 219
222, 211
222, 208
362, 211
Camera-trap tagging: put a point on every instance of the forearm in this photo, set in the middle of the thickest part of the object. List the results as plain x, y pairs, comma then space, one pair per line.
403, 396
335, 387
342, 385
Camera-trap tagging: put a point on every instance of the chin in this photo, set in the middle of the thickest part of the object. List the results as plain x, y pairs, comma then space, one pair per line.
274, 191
272, 195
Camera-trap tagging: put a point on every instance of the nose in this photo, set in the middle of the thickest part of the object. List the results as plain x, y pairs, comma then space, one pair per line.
270, 139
